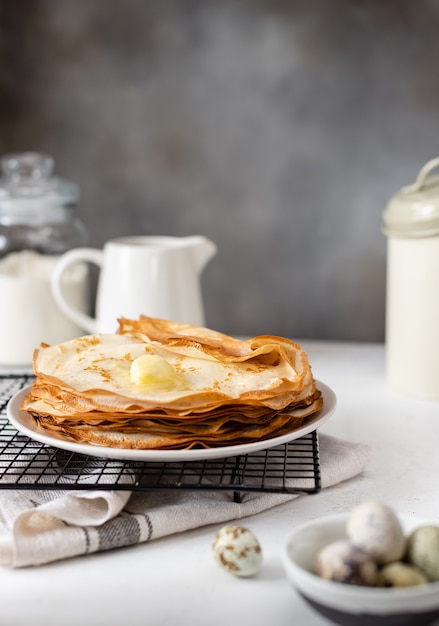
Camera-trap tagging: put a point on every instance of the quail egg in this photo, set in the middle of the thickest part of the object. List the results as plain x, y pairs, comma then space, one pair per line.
343, 562
423, 550
400, 574
237, 550
375, 527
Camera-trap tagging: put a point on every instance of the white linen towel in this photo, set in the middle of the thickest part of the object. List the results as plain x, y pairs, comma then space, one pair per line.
40, 526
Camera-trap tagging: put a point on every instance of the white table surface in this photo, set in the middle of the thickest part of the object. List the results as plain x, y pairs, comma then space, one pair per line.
175, 581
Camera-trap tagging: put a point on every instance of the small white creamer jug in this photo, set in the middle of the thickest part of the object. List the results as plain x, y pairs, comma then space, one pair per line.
157, 276
411, 223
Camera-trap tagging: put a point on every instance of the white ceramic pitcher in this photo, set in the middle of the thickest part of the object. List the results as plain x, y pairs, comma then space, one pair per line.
156, 276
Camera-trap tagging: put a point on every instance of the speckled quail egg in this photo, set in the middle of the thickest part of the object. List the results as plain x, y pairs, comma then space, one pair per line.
423, 550
343, 562
400, 574
237, 550
375, 527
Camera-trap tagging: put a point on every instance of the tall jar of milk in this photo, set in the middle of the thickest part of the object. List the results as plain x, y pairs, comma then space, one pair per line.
411, 223
37, 225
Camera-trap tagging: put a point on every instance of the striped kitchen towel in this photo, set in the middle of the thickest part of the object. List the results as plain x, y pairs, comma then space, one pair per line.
41, 526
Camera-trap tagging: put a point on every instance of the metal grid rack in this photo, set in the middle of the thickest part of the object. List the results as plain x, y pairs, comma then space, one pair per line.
292, 468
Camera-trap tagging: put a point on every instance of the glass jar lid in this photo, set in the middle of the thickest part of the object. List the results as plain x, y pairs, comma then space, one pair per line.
28, 188
414, 211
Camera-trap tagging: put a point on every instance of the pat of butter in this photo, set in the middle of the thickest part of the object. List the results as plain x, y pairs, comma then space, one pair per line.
154, 370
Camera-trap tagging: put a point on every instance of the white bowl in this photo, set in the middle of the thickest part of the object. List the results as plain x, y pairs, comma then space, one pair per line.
353, 605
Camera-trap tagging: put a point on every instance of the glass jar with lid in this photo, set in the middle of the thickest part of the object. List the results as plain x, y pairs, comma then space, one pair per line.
37, 225
36, 208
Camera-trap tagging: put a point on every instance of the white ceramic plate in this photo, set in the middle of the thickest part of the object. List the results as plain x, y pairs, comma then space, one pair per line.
24, 423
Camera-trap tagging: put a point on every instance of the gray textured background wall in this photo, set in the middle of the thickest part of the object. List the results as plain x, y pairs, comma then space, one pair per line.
277, 129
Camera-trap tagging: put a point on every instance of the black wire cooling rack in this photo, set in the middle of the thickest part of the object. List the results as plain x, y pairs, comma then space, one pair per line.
291, 468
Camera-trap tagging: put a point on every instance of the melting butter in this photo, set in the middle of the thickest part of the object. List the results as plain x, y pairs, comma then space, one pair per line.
154, 371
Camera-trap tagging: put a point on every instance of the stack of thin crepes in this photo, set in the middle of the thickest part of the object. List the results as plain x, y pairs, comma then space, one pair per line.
225, 391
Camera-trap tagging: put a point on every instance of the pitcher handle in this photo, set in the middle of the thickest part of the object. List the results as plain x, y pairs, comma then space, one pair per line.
71, 257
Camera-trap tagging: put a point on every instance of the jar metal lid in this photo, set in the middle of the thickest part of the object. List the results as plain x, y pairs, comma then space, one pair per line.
413, 212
